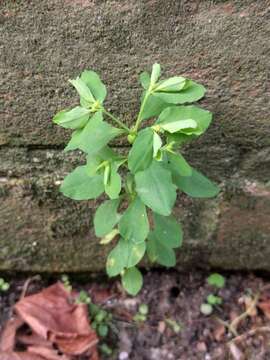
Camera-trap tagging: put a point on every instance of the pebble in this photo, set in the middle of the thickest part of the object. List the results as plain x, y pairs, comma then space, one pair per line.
123, 355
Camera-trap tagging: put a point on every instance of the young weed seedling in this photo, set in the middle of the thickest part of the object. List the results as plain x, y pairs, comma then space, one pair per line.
4, 285
143, 181
217, 281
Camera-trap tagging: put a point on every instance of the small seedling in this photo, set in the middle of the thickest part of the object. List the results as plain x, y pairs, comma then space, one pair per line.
216, 280
66, 283
144, 178
174, 325
4, 286
214, 300
105, 349
206, 309
141, 316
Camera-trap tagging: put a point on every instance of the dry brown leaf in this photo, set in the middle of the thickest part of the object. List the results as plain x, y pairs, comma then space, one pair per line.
46, 353
33, 339
52, 316
19, 356
7, 341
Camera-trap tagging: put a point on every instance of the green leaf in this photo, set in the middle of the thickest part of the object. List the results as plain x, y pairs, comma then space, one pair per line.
133, 224
188, 119
173, 84
206, 309
155, 73
109, 237
157, 251
216, 280
141, 153
214, 300
132, 281
196, 185
135, 253
79, 186
72, 144
126, 254
168, 231
106, 217
96, 134
178, 165
114, 184
93, 161
193, 92
75, 118
83, 91
145, 80
188, 126
157, 144
95, 85
155, 188
116, 260
153, 107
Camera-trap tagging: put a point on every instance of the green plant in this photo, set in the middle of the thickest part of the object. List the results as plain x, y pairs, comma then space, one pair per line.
141, 183
218, 282
141, 315
4, 285
174, 325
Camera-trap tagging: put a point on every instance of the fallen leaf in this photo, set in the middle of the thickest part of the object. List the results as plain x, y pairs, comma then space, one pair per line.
7, 341
46, 353
19, 356
52, 315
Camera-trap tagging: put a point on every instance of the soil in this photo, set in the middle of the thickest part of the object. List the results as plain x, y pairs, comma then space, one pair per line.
177, 297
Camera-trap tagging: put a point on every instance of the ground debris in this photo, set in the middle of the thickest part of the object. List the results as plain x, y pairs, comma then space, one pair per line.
48, 325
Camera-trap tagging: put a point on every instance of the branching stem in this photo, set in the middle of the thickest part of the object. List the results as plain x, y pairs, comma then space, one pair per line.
118, 121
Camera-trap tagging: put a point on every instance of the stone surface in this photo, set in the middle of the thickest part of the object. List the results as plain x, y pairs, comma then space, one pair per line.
223, 44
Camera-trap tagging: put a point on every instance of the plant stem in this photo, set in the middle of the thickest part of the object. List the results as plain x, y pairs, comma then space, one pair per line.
138, 121
119, 122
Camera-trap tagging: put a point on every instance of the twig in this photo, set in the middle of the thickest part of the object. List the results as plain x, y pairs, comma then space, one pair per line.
27, 283
251, 333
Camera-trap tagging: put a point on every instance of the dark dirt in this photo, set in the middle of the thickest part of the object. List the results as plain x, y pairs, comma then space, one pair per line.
178, 297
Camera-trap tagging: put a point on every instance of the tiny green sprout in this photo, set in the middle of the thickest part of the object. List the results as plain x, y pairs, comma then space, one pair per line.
214, 300
83, 298
206, 309
105, 349
141, 316
141, 181
66, 283
143, 309
216, 280
174, 325
103, 330
4, 286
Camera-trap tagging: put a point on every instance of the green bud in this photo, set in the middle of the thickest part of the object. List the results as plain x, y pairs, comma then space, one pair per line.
131, 138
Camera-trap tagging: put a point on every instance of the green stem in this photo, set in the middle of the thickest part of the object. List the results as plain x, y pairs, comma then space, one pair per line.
138, 121
119, 122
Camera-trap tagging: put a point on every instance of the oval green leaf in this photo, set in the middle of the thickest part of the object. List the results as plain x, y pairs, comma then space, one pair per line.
133, 225
141, 153
132, 281
106, 217
79, 186
196, 185
155, 188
